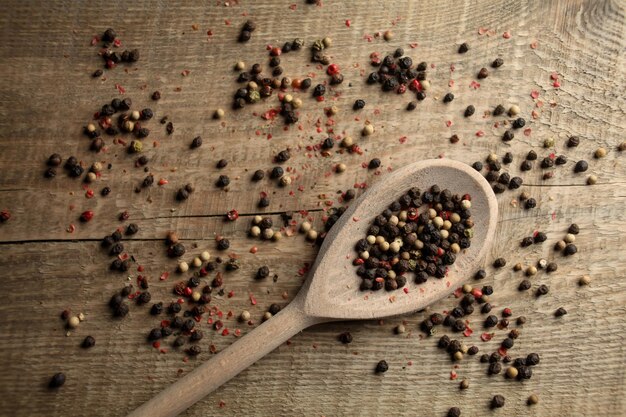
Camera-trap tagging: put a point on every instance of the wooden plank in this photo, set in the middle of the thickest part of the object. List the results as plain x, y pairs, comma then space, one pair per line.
47, 95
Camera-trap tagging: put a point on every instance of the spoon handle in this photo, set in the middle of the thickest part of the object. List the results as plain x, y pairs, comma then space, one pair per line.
227, 364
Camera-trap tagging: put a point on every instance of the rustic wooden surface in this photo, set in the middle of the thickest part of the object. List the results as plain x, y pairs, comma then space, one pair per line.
47, 94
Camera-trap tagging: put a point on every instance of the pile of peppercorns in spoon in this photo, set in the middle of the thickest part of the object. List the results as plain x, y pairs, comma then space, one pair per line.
402, 240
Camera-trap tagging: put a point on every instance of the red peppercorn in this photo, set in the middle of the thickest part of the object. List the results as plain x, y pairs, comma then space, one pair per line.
232, 215
332, 69
275, 51
477, 293
5, 215
86, 216
507, 312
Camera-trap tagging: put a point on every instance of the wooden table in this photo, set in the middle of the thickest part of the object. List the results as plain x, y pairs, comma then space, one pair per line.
47, 94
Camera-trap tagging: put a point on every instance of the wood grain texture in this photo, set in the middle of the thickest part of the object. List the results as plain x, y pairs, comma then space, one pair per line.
47, 95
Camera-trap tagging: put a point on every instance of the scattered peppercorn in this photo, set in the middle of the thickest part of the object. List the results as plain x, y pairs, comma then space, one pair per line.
454, 411
57, 380
560, 312
382, 367
345, 338
497, 63
497, 401
499, 262
463, 48
573, 141
581, 166
542, 290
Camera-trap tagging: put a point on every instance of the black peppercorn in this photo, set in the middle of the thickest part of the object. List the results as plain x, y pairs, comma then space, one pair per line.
144, 298
196, 336
448, 98
515, 183
274, 309
57, 380
443, 342
374, 163
469, 110
524, 285
427, 326
497, 401
560, 312
573, 141
542, 290
282, 156
116, 249
420, 95
532, 359
345, 338
262, 273
540, 237
497, 63
507, 343
223, 244
188, 325
222, 181
54, 160
480, 274
518, 123
486, 308
155, 334
131, 229
459, 326
482, 74
174, 308
121, 310
494, 368
156, 96
491, 321
508, 136
88, 342
258, 175
478, 166
499, 263
156, 309
570, 249
358, 104
463, 48
581, 166
319, 90
196, 142
530, 203
454, 412
175, 251
498, 110
527, 241
382, 367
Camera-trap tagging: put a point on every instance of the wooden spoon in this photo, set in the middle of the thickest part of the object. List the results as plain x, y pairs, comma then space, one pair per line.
331, 291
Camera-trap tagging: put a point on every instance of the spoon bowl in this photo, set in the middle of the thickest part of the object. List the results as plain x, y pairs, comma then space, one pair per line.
331, 291
332, 288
